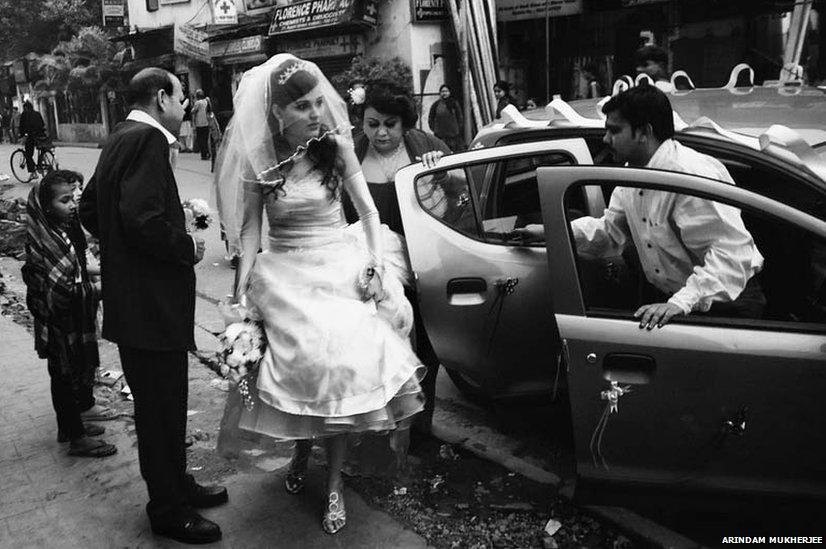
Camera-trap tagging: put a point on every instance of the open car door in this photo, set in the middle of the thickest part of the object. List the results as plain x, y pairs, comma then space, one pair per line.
709, 405
481, 293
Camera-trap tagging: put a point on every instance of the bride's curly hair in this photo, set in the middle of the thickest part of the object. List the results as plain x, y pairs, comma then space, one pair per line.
322, 153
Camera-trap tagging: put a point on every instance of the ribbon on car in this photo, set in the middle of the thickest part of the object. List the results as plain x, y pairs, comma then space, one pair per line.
612, 395
504, 288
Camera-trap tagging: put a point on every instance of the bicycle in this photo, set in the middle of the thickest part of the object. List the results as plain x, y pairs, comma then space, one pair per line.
45, 163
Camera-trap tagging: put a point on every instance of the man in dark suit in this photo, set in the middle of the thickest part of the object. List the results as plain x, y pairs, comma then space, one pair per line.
147, 263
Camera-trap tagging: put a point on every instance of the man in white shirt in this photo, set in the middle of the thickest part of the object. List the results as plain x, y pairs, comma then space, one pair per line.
694, 250
200, 120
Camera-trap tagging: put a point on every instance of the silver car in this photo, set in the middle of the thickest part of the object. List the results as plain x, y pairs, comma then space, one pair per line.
707, 404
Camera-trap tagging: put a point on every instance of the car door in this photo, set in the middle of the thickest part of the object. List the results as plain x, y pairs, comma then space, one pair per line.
482, 298
703, 404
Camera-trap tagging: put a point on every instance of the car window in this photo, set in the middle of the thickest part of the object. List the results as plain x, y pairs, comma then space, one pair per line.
447, 196
511, 200
749, 268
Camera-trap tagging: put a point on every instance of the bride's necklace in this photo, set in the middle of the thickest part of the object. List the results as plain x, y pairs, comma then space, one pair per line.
390, 164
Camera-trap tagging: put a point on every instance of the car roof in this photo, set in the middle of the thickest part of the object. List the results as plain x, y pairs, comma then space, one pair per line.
739, 115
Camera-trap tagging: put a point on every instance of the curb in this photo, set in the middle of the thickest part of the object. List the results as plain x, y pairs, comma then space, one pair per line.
644, 530
78, 145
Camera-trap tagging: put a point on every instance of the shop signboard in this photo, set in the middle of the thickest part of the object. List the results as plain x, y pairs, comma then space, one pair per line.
252, 5
113, 13
515, 10
632, 3
167, 2
224, 12
237, 47
428, 11
318, 14
191, 42
20, 69
327, 46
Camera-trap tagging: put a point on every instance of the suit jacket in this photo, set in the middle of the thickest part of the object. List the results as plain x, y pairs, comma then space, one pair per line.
147, 258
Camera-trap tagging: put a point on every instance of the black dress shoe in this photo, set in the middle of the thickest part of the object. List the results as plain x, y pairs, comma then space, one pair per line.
201, 497
188, 527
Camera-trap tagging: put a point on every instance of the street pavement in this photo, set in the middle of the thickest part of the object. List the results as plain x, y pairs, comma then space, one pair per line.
49, 499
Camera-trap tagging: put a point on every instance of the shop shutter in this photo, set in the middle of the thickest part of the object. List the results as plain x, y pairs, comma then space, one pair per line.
332, 66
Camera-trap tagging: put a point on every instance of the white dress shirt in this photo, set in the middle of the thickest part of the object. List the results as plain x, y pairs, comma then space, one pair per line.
137, 115
696, 249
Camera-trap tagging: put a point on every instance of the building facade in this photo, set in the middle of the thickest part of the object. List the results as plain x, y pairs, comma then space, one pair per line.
181, 36
570, 41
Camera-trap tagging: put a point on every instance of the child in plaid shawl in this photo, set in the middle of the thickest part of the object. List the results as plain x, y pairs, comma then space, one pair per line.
64, 302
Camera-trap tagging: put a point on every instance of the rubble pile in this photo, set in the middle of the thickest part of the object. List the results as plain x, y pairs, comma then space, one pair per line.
13, 228
457, 500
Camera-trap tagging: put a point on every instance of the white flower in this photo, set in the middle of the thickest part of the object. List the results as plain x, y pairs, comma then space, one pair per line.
357, 95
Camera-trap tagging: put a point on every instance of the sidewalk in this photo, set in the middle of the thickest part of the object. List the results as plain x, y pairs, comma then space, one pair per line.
48, 499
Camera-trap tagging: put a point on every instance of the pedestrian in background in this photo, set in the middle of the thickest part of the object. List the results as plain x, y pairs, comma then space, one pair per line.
200, 119
502, 91
5, 126
446, 120
215, 136
15, 124
653, 61
34, 129
185, 137
63, 301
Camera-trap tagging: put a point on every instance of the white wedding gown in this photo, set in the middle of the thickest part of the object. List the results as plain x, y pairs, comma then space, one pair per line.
334, 363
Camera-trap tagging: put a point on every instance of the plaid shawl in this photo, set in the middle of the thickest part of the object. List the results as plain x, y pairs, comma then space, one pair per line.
63, 310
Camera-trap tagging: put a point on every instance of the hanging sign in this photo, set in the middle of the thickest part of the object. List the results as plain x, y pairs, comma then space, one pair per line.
192, 43
316, 14
113, 13
326, 46
427, 11
238, 47
515, 10
252, 5
224, 12
632, 3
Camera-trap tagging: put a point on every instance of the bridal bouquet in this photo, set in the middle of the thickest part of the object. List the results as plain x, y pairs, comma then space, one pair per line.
242, 348
198, 214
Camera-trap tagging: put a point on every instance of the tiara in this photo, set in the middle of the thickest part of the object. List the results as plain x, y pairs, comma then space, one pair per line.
291, 70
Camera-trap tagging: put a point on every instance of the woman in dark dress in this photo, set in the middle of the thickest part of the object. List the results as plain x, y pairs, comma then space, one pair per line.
390, 142
446, 120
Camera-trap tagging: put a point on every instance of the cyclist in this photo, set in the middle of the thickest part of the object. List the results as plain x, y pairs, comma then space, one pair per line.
33, 129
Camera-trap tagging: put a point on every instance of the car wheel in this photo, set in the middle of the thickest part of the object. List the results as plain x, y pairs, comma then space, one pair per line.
470, 388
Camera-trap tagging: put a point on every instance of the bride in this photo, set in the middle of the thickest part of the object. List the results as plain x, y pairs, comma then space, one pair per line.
338, 360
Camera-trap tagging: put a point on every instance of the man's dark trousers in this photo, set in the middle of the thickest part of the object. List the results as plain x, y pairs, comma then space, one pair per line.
202, 141
159, 384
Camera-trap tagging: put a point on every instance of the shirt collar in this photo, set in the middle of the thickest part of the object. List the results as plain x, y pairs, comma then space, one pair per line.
141, 116
667, 151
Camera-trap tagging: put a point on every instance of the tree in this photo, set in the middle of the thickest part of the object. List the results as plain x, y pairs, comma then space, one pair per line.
374, 68
84, 61
38, 25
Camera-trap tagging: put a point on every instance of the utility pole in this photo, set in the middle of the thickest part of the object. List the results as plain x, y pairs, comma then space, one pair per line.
794, 43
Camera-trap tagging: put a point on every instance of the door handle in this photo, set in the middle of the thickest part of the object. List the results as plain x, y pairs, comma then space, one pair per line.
629, 368
466, 291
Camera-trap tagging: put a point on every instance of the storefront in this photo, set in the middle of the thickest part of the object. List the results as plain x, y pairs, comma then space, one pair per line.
230, 59
563, 38
328, 32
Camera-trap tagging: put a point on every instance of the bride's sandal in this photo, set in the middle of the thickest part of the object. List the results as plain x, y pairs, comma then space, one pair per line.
294, 482
297, 472
336, 516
